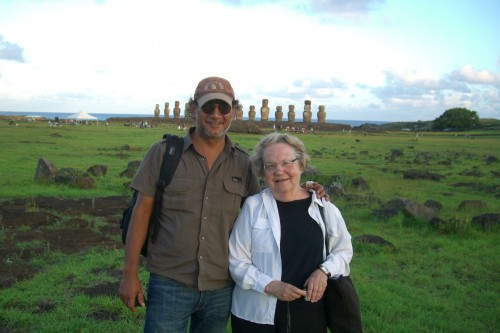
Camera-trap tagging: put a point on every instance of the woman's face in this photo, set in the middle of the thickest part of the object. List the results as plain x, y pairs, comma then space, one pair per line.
281, 169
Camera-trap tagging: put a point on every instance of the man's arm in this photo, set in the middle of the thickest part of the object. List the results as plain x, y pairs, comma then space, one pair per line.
130, 286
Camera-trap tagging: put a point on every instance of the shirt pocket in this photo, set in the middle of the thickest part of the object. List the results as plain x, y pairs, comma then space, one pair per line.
235, 191
177, 193
262, 236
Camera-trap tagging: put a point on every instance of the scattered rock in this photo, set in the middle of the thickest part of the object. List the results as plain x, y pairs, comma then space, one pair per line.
496, 174
84, 183
45, 306
310, 171
486, 221
420, 174
131, 169
471, 185
433, 204
384, 213
471, 204
98, 170
397, 204
373, 239
395, 153
475, 172
66, 176
491, 159
445, 162
419, 212
336, 189
435, 222
74, 178
360, 183
362, 199
45, 170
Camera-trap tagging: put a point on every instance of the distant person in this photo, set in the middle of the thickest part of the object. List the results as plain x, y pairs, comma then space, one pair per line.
188, 263
277, 254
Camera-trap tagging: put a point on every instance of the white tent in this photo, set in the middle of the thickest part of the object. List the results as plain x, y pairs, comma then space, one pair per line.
82, 115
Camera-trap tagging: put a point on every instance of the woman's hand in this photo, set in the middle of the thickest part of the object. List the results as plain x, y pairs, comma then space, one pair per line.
284, 291
316, 285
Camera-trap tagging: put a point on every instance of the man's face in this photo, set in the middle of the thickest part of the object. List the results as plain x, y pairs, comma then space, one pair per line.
214, 118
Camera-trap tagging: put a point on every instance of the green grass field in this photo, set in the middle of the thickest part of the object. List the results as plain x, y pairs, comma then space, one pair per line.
437, 280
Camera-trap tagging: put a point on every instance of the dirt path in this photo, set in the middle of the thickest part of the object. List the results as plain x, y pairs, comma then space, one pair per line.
30, 228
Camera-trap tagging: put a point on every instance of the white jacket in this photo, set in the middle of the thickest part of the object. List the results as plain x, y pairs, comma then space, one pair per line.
254, 252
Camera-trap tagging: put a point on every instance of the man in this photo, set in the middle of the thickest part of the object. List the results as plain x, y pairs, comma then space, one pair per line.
188, 263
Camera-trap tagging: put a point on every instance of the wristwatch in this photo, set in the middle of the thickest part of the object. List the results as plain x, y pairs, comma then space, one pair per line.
325, 270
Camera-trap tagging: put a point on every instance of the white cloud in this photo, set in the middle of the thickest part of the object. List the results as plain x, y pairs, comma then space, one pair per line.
325, 11
424, 79
10, 51
470, 75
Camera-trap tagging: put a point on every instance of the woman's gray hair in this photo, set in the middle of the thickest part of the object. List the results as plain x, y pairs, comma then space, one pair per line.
295, 143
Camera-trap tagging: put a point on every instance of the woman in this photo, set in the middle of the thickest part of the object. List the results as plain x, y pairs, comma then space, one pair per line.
277, 246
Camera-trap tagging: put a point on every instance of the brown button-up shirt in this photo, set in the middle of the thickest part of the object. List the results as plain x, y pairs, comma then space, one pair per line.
199, 208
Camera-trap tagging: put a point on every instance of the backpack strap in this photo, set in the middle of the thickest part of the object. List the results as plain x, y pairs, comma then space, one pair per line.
171, 159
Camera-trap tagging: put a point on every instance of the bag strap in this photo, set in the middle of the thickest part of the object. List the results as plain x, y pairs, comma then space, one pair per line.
322, 212
170, 162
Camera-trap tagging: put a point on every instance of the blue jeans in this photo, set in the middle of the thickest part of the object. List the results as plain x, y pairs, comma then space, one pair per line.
171, 305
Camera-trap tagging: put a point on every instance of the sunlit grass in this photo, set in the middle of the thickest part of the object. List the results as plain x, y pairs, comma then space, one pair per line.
440, 279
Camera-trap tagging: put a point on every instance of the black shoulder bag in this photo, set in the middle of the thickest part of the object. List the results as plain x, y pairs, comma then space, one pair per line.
342, 309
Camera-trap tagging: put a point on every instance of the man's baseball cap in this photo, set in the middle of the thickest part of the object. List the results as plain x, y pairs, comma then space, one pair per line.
213, 88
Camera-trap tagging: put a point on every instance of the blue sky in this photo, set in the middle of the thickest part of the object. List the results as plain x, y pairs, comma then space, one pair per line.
363, 59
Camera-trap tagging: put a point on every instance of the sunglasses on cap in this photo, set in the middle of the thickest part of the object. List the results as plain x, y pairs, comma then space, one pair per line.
209, 107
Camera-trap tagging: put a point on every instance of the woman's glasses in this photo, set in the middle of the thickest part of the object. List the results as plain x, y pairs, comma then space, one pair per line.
209, 107
285, 164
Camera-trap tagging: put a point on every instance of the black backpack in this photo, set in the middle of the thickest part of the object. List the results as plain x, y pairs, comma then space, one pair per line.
171, 159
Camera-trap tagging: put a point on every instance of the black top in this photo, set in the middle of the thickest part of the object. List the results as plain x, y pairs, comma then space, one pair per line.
301, 242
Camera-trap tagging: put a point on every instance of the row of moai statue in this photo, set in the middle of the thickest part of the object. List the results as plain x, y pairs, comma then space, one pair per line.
264, 112
166, 110
278, 115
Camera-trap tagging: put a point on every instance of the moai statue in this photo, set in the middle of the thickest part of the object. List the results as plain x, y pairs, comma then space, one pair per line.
239, 112
278, 115
157, 111
251, 113
186, 111
321, 114
166, 111
264, 110
307, 114
291, 113
177, 110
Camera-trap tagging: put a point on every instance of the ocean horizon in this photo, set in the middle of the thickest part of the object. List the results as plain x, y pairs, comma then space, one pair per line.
104, 116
